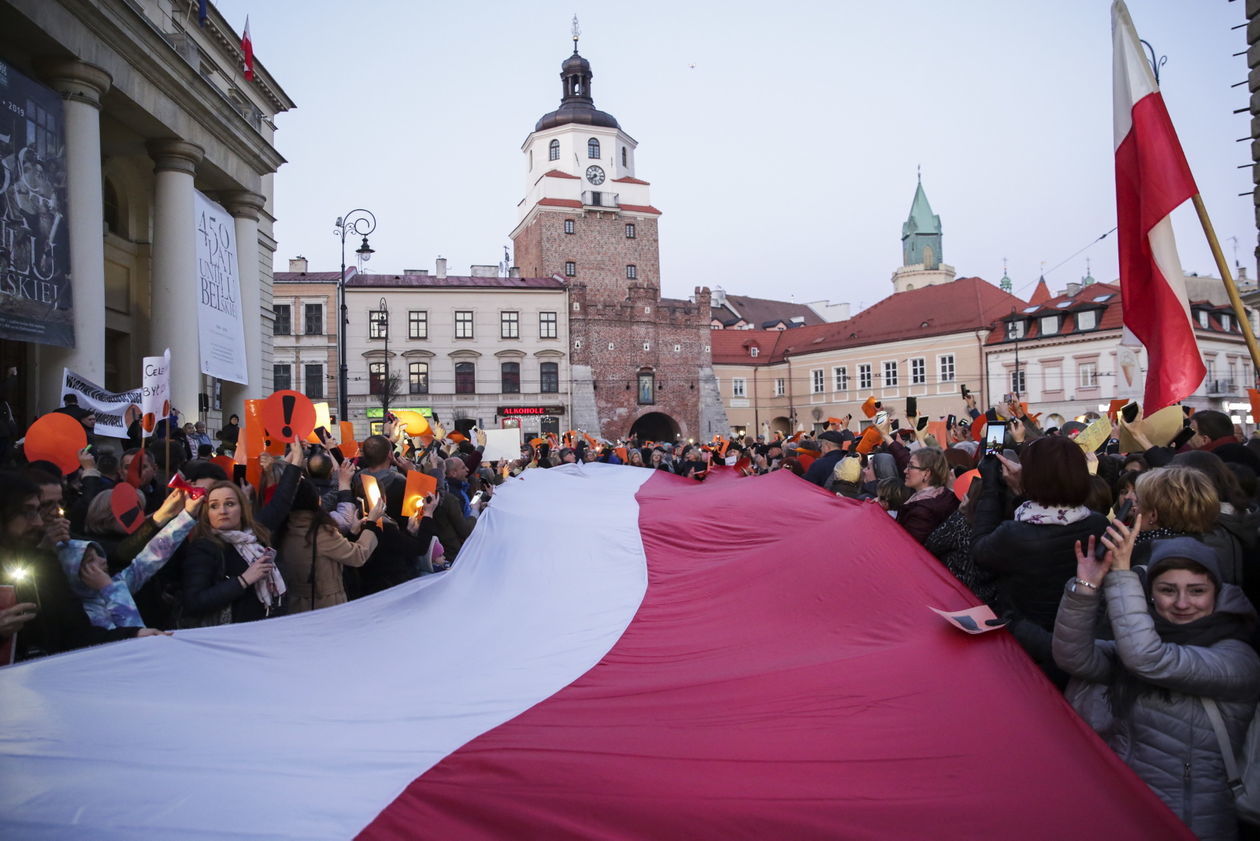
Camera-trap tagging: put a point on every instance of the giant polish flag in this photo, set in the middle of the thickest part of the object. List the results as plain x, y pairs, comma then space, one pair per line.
617, 654
1152, 179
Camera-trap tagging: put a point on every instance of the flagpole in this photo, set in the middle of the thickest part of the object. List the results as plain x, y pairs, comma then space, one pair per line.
1240, 313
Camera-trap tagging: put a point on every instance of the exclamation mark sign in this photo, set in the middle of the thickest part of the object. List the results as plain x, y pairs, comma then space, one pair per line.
288, 401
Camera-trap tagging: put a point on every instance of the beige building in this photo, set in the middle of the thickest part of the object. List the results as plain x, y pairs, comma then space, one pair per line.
304, 332
924, 343
153, 108
477, 348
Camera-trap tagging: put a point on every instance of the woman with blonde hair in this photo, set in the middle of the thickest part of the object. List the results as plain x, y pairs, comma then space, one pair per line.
230, 573
930, 502
1176, 501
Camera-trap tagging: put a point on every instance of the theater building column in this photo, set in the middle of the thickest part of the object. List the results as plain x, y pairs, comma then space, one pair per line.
245, 207
81, 87
175, 289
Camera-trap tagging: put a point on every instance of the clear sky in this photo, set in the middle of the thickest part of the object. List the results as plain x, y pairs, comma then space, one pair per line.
781, 140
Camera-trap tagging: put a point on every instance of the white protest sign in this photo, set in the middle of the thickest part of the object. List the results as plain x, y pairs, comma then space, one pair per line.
114, 410
220, 319
156, 391
502, 444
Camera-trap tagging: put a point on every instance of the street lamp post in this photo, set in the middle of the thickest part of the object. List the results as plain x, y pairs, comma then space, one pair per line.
360, 222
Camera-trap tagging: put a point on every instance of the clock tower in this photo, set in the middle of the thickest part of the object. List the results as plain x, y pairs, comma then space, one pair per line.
640, 364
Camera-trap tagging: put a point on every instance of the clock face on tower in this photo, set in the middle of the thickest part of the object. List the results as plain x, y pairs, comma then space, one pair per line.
595, 175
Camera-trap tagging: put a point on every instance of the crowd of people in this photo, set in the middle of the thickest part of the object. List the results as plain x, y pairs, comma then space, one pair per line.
1129, 578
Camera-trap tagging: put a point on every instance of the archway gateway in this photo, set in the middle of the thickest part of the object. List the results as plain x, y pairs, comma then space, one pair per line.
655, 426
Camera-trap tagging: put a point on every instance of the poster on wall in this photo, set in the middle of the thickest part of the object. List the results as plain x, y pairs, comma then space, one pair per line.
35, 299
220, 317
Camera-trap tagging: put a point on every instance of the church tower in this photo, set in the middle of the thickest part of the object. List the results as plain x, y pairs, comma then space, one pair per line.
921, 262
641, 365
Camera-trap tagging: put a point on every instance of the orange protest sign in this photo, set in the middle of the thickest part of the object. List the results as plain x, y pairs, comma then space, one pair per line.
537, 442
938, 430
255, 435
419, 485
621, 454
253, 472
371, 489
226, 463
1254, 397
805, 458
414, 423
869, 441
124, 504
1113, 408
349, 444
457, 437
288, 416
963, 483
56, 437
870, 407
977, 428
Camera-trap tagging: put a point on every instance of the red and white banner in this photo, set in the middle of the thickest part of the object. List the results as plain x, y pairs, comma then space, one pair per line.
247, 47
1152, 179
618, 653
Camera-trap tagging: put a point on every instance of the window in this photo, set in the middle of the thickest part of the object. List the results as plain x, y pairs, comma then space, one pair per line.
314, 319
1015, 329
623, 156
629, 230
1203, 318
864, 376
647, 388
739, 387
592, 148
1017, 381
1054, 378
945, 367
376, 378
418, 324
1227, 323
632, 272
547, 325
313, 380
816, 381
465, 378
281, 377
1087, 320
841, 377
378, 324
1088, 374
1210, 365
568, 226
549, 377
509, 325
1049, 325
780, 387
510, 375
570, 270
753, 350
418, 378
890, 374
918, 371
463, 324
284, 319
553, 150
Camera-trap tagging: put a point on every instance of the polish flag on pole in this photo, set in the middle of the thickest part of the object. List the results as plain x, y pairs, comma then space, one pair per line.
1152, 179
247, 47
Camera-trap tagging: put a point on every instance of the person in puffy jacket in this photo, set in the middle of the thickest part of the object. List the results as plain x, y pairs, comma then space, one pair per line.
1179, 638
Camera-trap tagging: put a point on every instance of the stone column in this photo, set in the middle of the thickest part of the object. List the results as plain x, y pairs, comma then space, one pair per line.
245, 207
81, 87
174, 287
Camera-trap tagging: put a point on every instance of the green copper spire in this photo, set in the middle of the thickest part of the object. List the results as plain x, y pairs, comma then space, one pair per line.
921, 233
1006, 284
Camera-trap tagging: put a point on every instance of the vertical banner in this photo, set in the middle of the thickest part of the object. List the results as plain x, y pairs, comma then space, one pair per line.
35, 299
220, 321
155, 401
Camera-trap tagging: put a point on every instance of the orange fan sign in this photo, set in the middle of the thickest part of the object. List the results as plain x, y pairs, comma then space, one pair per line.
55, 437
419, 485
288, 416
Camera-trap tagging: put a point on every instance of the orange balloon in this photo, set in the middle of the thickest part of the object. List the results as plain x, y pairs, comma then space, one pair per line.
56, 437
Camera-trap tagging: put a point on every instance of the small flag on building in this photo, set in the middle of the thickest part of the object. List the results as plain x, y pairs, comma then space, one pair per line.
203, 11
247, 47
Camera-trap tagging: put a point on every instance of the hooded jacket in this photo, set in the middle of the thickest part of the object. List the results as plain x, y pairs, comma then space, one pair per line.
114, 607
1166, 738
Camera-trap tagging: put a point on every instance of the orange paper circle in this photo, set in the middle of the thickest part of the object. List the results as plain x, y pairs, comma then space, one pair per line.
288, 416
56, 437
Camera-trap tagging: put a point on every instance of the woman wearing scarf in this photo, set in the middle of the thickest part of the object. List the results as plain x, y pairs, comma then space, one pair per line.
1032, 555
229, 573
1179, 650
930, 502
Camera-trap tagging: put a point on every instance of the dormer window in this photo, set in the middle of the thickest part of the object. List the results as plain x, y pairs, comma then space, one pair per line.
753, 350
1087, 320
1049, 325
1227, 323
1015, 329
592, 148
553, 151
1203, 319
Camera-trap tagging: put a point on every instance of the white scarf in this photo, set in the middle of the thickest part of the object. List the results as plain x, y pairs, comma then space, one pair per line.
930, 492
1044, 515
269, 588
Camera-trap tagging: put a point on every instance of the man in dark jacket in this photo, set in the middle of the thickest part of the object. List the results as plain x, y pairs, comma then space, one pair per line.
820, 471
454, 519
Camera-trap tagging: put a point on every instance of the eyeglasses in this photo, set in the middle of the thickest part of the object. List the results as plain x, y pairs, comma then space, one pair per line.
914, 467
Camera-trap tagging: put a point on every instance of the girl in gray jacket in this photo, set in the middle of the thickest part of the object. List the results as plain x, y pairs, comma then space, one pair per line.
1179, 635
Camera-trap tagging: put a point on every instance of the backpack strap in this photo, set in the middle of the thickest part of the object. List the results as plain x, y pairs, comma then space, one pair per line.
1232, 773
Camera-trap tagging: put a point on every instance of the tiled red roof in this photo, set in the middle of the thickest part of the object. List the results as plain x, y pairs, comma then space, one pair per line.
555, 173
559, 203
424, 281
1041, 294
640, 208
310, 277
730, 347
630, 180
760, 311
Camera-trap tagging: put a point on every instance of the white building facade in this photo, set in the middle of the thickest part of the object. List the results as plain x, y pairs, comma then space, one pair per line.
472, 349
